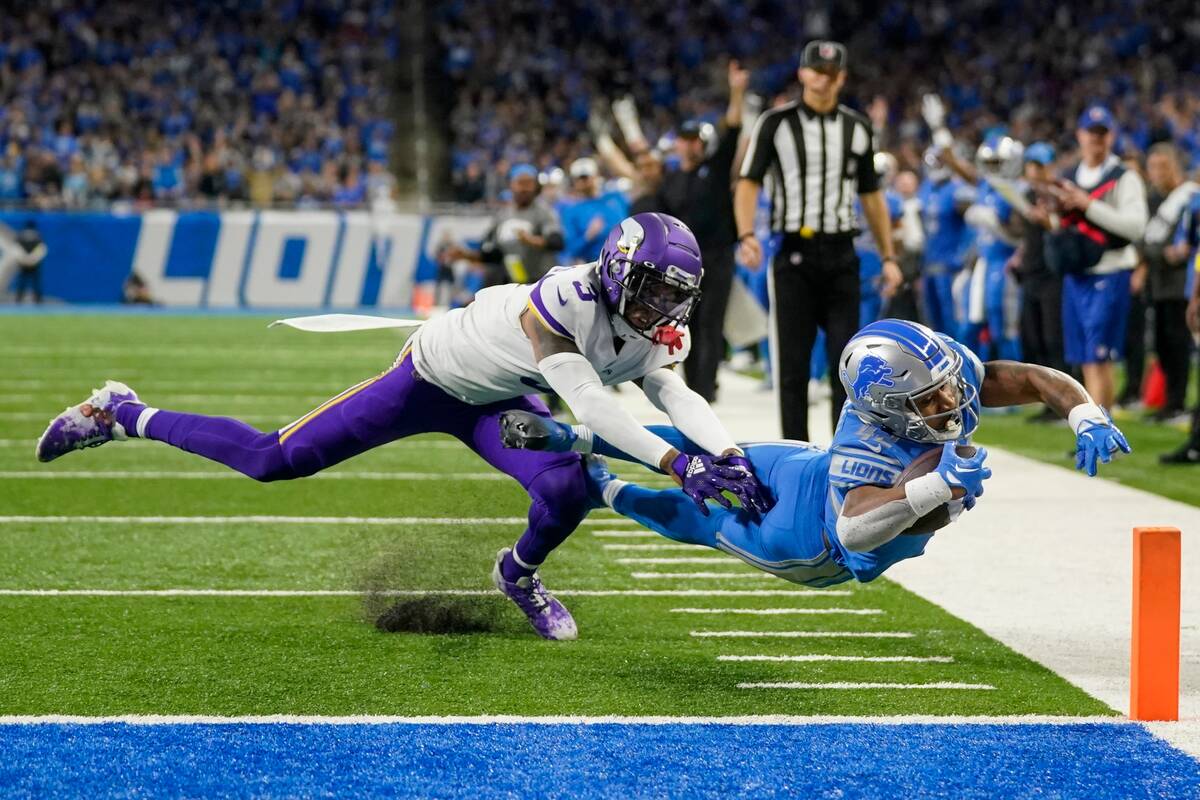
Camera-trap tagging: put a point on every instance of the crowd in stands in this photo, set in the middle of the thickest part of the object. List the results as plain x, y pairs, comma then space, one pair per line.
203, 103
527, 73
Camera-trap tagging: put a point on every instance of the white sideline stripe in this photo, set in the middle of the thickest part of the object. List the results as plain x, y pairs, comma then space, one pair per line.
143, 475
388, 592
803, 634
686, 560
871, 659
846, 685
747, 720
768, 612
740, 576
281, 520
623, 534
649, 547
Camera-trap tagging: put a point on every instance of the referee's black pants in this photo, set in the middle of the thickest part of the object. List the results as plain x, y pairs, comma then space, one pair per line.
814, 283
707, 325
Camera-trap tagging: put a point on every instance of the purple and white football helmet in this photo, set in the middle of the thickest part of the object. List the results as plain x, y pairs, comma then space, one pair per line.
650, 272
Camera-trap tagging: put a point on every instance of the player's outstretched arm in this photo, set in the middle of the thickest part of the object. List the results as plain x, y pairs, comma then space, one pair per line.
872, 516
574, 379
1010, 383
694, 418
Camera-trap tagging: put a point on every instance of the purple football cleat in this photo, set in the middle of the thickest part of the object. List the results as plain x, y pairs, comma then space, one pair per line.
75, 430
548, 617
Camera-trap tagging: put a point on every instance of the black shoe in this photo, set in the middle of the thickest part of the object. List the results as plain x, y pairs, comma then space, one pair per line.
1166, 414
1187, 454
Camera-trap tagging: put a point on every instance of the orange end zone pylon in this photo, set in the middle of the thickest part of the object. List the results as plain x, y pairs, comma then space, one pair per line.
1154, 670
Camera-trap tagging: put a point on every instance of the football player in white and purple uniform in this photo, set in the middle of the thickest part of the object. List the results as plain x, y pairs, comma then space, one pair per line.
622, 318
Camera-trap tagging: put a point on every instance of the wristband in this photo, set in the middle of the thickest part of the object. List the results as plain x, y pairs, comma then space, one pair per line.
745, 236
1086, 412
927, 493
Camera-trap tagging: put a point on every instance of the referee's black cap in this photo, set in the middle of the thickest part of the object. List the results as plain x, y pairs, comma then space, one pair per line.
824, 54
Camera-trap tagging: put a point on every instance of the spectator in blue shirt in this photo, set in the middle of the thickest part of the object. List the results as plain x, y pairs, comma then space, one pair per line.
587, 221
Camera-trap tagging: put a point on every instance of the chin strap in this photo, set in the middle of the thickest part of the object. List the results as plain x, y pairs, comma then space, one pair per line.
669, 335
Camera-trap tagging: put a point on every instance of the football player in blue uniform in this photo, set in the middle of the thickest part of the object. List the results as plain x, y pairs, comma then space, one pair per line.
943, 199
850, 511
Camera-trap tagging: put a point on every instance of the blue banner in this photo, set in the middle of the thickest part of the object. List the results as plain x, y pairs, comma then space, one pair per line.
238, 259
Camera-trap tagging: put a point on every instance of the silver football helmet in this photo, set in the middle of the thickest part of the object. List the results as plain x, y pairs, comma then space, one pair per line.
1001, 156
891, 367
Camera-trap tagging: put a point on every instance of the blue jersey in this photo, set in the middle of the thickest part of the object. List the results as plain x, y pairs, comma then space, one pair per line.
864, 242
994, 250
946, 235
863, 454
610, 208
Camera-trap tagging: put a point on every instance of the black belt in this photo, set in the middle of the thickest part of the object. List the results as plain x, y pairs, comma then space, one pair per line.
809, 238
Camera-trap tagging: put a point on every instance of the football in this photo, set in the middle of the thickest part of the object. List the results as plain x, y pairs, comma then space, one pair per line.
926, 463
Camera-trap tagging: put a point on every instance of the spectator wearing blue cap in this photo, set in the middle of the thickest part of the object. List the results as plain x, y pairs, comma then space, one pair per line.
1101, 210
525, 235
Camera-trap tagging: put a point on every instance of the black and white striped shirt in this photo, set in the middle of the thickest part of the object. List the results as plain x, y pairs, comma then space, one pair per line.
812, 165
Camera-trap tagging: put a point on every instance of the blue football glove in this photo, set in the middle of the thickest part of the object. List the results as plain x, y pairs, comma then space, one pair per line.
964, 472
750, 493
705, 478
1098, 442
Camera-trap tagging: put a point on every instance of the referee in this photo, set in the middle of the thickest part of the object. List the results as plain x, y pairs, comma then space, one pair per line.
814, 156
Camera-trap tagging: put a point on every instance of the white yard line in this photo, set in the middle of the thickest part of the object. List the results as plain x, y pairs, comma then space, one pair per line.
851, 686
772, 612
802, 634
186, 592
727, 560
653, 547
253, 519
870, 659
747, 720
733, 576
634, 534
143, 475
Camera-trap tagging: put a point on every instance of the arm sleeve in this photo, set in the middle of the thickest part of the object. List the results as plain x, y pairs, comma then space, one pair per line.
760, 153
574, 379
875, 528
689, 412
868, 178
727, 143
1128, 215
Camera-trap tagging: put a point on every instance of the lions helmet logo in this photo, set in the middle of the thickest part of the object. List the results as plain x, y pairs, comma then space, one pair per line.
872, 371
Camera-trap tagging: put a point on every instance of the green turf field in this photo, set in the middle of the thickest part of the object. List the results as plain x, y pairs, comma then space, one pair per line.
310, 653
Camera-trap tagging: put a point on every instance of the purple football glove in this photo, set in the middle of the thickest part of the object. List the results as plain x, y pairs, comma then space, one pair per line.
704, 477
750, 493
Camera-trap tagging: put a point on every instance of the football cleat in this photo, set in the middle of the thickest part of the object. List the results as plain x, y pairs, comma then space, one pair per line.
548, 617
522, 430
75, 428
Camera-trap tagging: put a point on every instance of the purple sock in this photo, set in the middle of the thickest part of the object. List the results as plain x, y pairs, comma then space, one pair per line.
513, 571
127, 415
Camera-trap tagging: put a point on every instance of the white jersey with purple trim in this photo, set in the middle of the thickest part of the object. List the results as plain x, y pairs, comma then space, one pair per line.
479, 353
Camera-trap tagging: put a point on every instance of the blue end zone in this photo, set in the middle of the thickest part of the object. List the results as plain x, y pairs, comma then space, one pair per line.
826, 760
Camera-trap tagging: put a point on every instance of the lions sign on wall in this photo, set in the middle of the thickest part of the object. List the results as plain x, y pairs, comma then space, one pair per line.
246, 259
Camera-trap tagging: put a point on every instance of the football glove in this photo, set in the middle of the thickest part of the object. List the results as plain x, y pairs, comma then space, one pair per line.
1097, 442
963, 472
750, 493
704, 478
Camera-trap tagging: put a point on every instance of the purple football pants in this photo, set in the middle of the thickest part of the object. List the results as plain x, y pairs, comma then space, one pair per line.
391, 406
